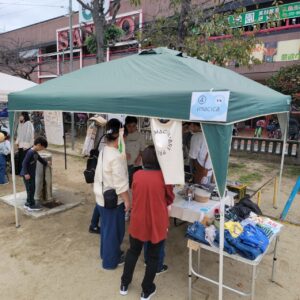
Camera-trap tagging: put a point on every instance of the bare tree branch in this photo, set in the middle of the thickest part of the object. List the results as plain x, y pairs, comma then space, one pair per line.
85, 5
114, 10
17, 59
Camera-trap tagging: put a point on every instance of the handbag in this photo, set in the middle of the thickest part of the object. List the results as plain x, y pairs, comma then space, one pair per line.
200, 171
89, 172
110, 196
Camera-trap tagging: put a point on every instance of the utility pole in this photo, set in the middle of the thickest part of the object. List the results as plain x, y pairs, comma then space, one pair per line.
71, 66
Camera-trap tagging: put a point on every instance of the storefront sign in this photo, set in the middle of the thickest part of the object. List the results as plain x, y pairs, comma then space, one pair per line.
209, 106
128, 24
273, 13
277, 51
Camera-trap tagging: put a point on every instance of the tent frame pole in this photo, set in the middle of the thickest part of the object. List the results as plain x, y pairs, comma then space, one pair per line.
13, 173
279, 190
221, 247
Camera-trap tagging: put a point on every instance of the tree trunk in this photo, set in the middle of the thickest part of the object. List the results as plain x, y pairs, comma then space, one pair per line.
182, 26
99, 21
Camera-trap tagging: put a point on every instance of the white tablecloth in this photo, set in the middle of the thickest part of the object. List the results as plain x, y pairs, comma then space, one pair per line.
193, 211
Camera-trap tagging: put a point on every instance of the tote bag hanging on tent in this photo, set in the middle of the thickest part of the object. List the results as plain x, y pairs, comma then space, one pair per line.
167, 139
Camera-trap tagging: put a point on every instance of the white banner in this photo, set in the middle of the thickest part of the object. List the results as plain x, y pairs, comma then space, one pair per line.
54, 127
209, 106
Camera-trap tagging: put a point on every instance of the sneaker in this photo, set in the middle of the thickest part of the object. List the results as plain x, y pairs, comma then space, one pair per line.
26, 205
162, 270
122, 260
147, 296
123, 290
96, 230
34, 207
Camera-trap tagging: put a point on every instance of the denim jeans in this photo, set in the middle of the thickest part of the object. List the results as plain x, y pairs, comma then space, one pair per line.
132, 256
21, 156
3, 178
30, 190
95, 221
112, 223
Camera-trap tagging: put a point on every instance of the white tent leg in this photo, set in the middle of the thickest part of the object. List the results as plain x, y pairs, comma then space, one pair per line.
279, 191
13, 167
221, 245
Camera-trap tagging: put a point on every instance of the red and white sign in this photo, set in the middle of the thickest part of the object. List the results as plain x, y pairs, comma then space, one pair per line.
129, 23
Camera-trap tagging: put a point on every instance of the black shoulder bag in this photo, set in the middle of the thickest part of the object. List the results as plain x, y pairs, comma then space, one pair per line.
89, 172
110, 196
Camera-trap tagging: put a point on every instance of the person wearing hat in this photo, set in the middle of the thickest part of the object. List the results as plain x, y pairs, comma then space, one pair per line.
112, 177
4, 151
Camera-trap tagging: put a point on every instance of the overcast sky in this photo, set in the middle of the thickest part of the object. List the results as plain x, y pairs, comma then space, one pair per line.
19, 13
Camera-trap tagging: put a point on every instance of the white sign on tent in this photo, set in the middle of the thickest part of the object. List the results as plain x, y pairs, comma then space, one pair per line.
209, 106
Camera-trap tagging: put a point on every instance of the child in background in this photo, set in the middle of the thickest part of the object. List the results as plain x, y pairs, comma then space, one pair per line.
4, 151
28, 171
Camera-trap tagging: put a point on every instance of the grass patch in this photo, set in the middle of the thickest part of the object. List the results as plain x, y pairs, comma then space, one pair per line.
291, 171
235, 169
236, 166
248, 179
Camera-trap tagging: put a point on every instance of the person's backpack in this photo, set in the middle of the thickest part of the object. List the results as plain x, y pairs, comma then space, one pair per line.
89, 172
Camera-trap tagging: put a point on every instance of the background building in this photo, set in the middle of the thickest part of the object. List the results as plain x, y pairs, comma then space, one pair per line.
49, 40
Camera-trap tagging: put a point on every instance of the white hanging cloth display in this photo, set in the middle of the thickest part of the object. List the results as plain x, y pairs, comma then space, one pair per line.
54, 127
167, 139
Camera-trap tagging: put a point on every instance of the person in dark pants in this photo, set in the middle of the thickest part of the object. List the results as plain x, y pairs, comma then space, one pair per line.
153, 250
161, 268
148, 223
28, 171
25, 136
94, 226
111, 174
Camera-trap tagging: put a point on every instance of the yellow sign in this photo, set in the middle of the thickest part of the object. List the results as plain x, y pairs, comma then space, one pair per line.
277, 51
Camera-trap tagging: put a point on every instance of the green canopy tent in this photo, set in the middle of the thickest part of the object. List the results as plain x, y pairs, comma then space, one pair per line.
158, 83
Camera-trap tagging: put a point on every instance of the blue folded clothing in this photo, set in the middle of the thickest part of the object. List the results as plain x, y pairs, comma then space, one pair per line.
227, 247
251, 243
255, 237
242, 249
197, 232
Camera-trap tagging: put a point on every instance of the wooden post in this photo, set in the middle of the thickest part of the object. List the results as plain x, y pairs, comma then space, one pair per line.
259, 198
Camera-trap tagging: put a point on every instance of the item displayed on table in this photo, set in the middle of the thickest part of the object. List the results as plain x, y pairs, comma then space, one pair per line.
268, 226
234, 228
243, 208
250, 243
196, 231
249, 238
201, 195
167, 139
